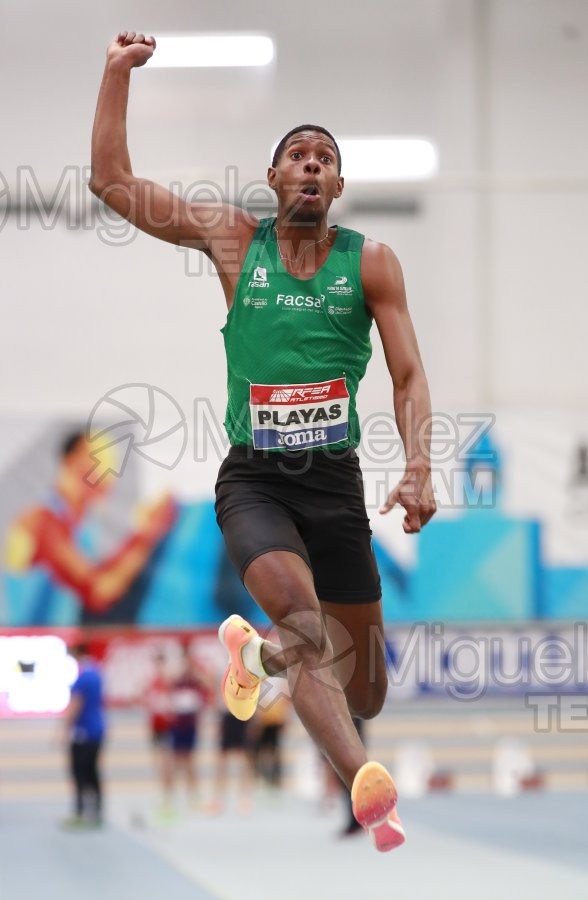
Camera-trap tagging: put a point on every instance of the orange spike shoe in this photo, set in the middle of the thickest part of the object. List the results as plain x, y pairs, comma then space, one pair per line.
373, 798
240, 689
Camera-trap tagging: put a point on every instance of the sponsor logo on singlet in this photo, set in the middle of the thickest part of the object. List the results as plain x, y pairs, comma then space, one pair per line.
339, 310
299, 301
255, 302
296, 416
259, 277
340, 288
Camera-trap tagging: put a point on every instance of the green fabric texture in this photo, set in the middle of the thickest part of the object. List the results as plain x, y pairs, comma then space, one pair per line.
284, 331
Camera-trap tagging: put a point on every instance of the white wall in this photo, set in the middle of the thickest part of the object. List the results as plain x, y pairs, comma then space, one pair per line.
496, 279
539, 132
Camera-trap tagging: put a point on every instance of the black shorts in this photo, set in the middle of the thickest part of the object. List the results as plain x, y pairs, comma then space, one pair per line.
310, 502
269, 737
233, 733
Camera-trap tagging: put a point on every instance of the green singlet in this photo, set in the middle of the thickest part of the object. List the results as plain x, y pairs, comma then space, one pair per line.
296, 349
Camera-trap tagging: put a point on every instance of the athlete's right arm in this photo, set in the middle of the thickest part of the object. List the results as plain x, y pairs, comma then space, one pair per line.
212, 228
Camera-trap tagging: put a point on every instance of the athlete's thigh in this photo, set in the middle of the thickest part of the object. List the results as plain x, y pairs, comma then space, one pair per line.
254, 524
281, 582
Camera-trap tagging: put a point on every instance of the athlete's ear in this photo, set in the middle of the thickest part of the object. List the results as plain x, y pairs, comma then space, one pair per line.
271, 177
340, 186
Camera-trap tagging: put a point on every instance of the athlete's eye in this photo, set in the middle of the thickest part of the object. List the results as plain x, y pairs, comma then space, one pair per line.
296, 154
327, 158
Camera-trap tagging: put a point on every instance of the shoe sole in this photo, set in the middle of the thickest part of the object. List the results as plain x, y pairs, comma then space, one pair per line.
242, 708
386, 835
373, 798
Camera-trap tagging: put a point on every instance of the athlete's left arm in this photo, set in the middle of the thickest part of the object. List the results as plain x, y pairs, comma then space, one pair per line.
385, 297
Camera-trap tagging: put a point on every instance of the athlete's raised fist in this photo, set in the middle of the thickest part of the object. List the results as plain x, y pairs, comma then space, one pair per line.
134, 48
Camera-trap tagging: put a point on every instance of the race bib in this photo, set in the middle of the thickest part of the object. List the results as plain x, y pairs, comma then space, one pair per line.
296, 416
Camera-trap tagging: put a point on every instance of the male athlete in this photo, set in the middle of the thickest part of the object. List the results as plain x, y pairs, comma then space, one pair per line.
301, 298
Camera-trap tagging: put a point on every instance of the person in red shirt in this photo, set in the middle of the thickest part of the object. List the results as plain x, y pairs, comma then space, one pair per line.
190, 692
158, 697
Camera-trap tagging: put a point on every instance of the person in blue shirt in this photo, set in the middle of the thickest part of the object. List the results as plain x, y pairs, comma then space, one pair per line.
85, 728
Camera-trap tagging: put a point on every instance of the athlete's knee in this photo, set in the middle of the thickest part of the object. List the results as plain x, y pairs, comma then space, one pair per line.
367, 702
367, 708
303, 636
282, 585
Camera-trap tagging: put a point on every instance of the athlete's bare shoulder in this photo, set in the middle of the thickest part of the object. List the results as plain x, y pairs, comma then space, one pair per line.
381, 273
377, 255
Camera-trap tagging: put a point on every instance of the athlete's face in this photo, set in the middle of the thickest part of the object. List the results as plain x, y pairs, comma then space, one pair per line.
306, 178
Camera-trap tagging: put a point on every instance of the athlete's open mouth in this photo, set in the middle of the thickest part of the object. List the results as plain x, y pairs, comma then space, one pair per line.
310, 190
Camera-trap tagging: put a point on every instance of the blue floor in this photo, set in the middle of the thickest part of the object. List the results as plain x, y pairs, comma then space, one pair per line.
459, 847
552, 827
40, 861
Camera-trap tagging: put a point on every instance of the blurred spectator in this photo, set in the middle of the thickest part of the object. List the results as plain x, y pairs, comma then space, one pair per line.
190, 692
46, 537
333, 789
233, 745
351, 825
158, 705
84, 725
267, 734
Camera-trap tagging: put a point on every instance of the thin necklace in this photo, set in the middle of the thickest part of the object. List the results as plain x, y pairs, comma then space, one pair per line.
292, 259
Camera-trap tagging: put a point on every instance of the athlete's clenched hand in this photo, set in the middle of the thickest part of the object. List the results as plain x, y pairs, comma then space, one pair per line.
132, 48
415, 493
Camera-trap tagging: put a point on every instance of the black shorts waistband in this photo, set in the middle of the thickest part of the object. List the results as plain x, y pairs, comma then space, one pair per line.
301, 457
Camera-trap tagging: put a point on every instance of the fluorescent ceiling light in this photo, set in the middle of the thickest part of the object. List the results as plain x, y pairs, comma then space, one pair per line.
207, 50
388, 159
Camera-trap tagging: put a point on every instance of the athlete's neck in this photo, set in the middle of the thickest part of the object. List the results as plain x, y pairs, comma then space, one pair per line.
295, 237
